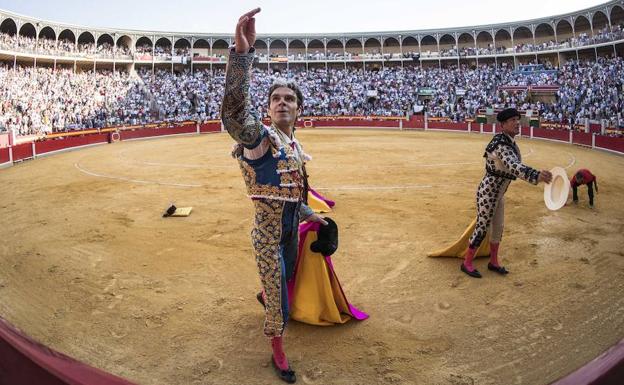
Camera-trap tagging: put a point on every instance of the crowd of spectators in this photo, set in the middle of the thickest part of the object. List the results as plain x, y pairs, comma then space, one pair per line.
41, 100
62, 47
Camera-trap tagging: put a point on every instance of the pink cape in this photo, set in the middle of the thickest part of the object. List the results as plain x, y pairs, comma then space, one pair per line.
329, 202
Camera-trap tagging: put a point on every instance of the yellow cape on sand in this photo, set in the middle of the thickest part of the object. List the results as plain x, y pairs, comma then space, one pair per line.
318, 205
459, 248
317, 298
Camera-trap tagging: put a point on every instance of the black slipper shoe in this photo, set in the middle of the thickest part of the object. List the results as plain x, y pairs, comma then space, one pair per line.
260, 299
499, 269
475, 273
287, 375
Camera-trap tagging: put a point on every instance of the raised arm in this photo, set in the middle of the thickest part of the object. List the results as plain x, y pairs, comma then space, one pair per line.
237, 115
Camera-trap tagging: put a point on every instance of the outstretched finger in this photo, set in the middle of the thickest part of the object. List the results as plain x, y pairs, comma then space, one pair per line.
251, 13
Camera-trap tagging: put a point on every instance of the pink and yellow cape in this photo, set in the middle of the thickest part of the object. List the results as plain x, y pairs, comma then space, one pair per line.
316, 296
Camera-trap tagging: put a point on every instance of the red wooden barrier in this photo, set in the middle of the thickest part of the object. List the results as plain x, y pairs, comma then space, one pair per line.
26, 362
415, 122
582, 138
4, 155
73, 141
22, 151
25, 151
610, 143
606, 369
459, 126
151, 132
488, 127
210, 127
562, 135
356, 123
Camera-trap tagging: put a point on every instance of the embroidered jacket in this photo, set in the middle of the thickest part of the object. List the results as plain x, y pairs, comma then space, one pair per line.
503, 159
271, 168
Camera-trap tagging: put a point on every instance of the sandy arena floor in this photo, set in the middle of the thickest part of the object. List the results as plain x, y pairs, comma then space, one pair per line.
89, 267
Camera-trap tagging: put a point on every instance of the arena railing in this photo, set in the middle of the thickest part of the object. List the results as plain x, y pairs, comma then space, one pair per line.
612, 141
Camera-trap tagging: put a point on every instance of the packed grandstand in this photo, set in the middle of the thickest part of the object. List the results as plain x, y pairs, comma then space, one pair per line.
568, 70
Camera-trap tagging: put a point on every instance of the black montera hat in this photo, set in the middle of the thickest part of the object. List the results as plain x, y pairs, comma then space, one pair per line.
506, 114
170, 211
327, 242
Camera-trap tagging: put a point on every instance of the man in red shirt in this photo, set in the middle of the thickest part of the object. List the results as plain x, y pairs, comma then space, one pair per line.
581, 177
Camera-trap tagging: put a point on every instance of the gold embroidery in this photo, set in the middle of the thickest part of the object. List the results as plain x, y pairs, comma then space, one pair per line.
265, 238
288, 178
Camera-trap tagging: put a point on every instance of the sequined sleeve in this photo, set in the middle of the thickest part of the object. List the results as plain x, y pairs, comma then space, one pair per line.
237, 115
304, 212
510, 160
